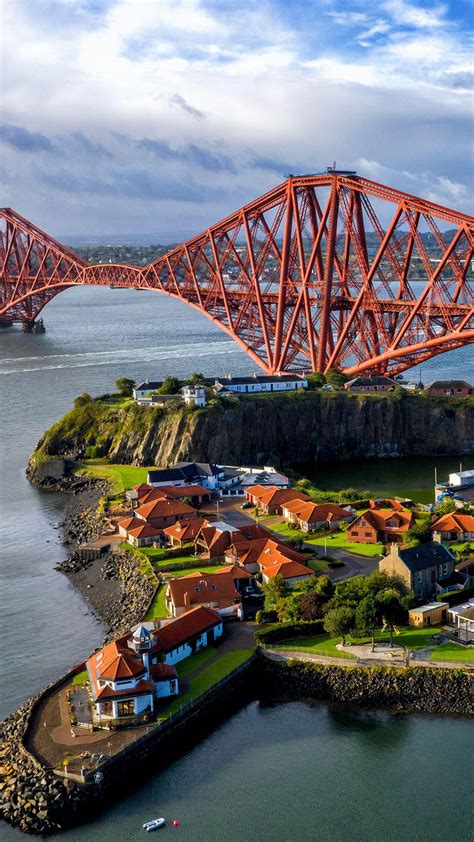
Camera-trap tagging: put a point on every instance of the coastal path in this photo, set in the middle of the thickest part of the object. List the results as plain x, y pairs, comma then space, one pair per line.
288, 655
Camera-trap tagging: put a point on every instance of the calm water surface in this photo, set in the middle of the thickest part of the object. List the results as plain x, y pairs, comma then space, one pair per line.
265, 774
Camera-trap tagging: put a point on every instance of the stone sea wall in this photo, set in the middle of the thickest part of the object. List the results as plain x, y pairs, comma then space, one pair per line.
410, 689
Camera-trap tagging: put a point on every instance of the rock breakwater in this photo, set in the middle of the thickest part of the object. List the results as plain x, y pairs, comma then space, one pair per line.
407, 689
32, 797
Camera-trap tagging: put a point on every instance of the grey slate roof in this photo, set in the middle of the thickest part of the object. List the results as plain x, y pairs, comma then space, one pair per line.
425, 555
449, 384
259, 378
378, 380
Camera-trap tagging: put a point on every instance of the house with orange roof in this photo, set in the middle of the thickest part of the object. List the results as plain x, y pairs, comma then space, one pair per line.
184, 532
138, 532
380, 526
192, 631
252, 555
292, 572
454, 527
120, 680
310, 516
214, 539
164, 512
221, 591
270, 499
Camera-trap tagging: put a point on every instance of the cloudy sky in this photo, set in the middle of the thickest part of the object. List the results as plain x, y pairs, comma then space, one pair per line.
127, 116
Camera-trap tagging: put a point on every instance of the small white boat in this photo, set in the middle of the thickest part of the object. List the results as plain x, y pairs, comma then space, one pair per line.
154, 824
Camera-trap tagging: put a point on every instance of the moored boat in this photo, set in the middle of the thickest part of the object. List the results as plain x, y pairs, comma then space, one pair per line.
154, 824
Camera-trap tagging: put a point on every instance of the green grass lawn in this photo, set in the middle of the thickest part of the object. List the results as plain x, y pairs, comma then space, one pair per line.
338, 541
80, 678
121, 477
317, 564
453, 652
410, 637
320, 644
208, 677
189, 570
158, 606
463, 546
196, 660
335, 540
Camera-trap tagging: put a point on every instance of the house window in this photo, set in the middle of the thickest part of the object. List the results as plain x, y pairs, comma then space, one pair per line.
107, 709
419, 579
367, 534
126, 708
445, 569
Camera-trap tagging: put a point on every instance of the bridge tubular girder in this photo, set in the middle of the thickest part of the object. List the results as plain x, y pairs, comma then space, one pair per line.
303, 278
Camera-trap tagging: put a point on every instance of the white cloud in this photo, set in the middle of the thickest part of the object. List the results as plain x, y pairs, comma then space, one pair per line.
268, 91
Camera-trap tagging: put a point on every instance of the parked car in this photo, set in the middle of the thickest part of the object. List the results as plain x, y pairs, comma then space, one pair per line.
246, 505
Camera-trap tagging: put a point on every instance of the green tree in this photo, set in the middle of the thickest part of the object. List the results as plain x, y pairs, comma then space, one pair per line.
339, 621
311, 606
315, 380
446, 506
420, 532
196, 377
367, 618
170, 386
274, 590
335, 377
392, 610
82, 400
288, 609
125, 386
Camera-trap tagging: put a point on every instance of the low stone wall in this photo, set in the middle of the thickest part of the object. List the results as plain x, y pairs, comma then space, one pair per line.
410, 689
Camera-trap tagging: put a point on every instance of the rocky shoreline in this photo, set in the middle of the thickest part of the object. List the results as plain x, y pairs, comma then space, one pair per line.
32, 797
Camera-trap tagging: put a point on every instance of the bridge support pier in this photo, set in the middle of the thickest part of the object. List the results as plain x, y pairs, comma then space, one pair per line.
32, 326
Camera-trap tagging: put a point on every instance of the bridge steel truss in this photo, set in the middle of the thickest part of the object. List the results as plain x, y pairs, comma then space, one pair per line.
304, 278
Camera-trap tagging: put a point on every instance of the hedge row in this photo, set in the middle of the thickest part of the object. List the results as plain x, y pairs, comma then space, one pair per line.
456, 597
285, 631
187, 565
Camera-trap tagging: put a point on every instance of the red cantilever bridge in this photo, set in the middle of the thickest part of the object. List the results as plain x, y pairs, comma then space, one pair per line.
305, 277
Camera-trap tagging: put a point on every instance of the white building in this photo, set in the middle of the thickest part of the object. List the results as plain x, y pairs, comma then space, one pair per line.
259, 383
194, 395
459, 478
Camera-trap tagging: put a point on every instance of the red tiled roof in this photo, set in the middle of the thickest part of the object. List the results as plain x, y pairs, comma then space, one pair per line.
143, 687
453, 522
286, 569
377, 518
164, 508
198, 588
318, 512
128, 522
188, 625
279, 496
188, 530
143, 530
162, 672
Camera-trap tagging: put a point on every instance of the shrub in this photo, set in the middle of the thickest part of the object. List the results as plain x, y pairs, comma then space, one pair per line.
266, 617
456, 597
284, 631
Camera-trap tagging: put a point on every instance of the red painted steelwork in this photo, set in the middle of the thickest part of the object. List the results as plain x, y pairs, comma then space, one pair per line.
303, 278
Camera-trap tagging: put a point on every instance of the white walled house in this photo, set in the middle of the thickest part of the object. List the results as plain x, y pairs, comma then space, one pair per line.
260, 383
194, 395
147, 388
191, 632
